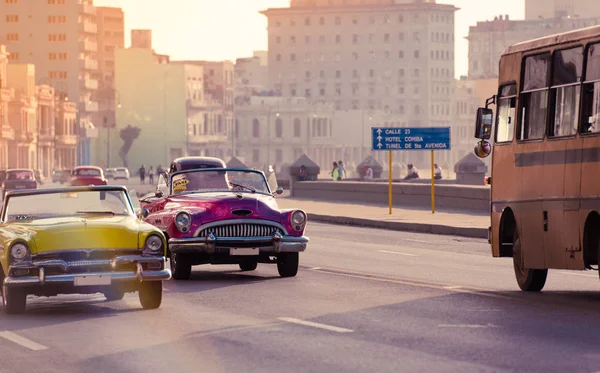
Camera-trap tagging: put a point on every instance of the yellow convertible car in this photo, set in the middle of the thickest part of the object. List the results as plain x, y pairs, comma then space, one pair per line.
78, 240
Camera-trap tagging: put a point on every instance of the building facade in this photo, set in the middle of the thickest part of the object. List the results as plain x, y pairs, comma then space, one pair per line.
6, 132
111, 35
60, 39
537, 9
22, 116
488, 40
151, 125
66, 134
391, 56
278, 130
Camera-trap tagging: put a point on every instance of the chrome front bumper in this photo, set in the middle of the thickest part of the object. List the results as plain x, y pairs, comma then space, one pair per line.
266, 244
117, 277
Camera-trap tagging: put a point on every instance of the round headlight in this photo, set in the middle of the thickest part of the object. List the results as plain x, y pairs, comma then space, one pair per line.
19, 251
183, 220
298, 217
154, 243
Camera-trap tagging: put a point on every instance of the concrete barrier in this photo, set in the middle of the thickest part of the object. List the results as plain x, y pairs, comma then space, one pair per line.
455, 197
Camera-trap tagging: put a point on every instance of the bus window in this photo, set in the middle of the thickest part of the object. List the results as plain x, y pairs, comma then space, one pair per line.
590, 111
567, 69
506, 113
534, 97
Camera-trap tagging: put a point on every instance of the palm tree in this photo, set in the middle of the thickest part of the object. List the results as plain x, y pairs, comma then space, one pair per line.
128, 134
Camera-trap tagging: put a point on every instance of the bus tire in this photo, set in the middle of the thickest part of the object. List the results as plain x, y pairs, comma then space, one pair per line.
527, 279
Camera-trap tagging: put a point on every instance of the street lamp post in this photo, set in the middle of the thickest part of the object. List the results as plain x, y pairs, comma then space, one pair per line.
118, 97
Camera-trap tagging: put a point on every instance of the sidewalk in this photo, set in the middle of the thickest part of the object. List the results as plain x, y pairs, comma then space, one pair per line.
443, 222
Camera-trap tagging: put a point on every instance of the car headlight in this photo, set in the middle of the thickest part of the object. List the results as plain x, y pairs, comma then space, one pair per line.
19, 252
298, 219
153, 244
183, 221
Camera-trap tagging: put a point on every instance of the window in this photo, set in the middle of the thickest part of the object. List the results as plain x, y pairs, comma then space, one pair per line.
278, 40
567, 70
307, 39
355, 39
11, 1
322, 21
400, 54
12, 18
13, 56
307, 22
534, 97
255, 128
338, 74
338, 39
297, 128
278, 128
278, 57
590, 110
416, 54
506, 113
12, 37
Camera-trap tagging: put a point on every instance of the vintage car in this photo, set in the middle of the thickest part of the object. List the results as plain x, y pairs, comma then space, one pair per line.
191, 163
78, 240
19, 179
87, 175
61, 176
225, 216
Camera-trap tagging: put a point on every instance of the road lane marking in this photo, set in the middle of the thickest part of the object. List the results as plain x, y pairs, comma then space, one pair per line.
490, 293
315, 325
590, 275
469, 326
395, 252
420, 241
452, 287
22, 341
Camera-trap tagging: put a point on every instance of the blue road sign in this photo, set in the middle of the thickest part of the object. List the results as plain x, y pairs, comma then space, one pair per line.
431, 138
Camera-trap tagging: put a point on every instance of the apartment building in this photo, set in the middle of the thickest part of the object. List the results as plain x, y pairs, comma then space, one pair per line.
366, 54
538, 9
111, 35
59, 37
5, 96
489, 39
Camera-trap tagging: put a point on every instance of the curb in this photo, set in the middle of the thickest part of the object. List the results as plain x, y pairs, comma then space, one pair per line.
400, 226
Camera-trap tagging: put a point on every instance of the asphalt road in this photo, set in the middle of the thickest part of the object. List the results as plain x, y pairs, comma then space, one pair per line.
364, 301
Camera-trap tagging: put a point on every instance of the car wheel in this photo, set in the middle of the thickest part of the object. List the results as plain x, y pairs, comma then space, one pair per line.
114, 294
14, 300
248, 265
151, 294
181, 268
527, 279
287, 264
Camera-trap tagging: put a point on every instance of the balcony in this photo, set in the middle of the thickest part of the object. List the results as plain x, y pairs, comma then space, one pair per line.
66, 140
88, 27
88, 64
89, 84
88, 46
90, 106
87, 8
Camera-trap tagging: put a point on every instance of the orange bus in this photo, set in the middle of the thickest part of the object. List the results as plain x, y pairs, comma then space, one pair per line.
545, 179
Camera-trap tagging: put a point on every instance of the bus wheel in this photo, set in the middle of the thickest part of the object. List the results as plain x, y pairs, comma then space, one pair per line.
528, 279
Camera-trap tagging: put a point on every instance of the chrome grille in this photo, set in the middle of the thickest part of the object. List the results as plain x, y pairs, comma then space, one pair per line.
241, 230
89, 263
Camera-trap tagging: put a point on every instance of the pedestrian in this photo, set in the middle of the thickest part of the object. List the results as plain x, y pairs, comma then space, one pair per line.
342, 171
302, 173
335, 172
413, 173
142, 174
437, 172
151, 175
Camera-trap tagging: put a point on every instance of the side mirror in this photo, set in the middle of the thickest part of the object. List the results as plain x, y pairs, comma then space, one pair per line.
143, 214
483, 149
159, 193
483, 124
278, 190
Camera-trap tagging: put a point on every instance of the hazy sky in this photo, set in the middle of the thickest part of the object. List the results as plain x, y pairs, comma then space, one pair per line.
227, 29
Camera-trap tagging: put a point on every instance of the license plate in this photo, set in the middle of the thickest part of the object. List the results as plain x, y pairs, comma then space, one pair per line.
21, 187
244, 251
92, 280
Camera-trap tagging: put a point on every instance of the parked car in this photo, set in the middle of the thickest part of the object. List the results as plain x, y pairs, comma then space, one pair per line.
80, 240
190, 163
19, 179
61, 176
225, 216
121, 173
87, 175
109, 173
2, 176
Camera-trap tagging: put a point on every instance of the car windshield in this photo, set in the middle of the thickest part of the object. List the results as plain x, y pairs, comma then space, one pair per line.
87, 172
19, 175
219, 180
65, 204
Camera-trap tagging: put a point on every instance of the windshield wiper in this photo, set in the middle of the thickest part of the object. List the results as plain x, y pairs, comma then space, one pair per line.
244, 187
96, 212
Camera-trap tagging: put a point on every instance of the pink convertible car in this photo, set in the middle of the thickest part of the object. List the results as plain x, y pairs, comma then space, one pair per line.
224, 216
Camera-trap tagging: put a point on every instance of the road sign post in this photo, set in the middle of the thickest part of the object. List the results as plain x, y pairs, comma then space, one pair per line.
426, 138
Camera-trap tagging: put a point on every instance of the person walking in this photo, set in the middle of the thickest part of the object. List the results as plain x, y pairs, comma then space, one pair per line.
335, 173
151, 175
142, 174
342, 170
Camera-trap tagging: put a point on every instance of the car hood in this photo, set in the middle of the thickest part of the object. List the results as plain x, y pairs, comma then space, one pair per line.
227, 205
85, 232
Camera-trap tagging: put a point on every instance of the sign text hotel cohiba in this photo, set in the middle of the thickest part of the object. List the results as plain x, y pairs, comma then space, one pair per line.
426, 138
